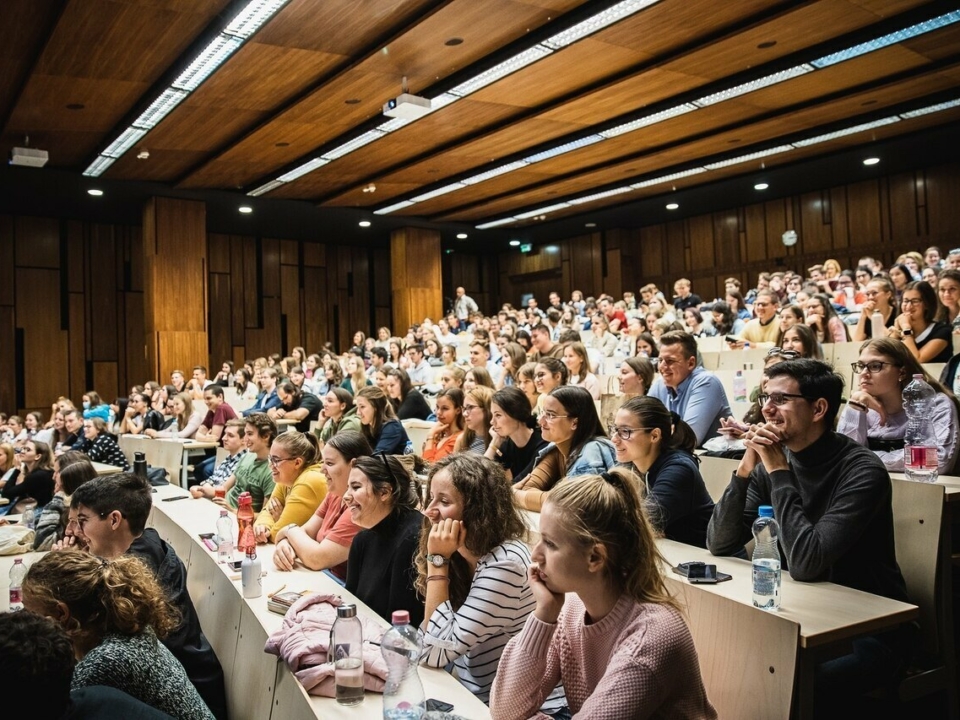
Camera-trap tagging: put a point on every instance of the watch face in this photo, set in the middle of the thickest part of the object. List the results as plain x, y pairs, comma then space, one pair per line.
437, 560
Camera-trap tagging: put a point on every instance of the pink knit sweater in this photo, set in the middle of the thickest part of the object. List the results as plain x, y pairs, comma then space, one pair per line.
637, 662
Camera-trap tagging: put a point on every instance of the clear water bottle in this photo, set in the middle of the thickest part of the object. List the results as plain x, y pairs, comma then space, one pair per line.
746, 346
739, 387
29, 519
877, 327
346, 650
251, 572
225, 542
403, 697
766, 560
919, 440
17, 573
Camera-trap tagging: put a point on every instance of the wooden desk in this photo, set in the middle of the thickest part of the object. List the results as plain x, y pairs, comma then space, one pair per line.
104, 469
284, 424
258, 684
190, 447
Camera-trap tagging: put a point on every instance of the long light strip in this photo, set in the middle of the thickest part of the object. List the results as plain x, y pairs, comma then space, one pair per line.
603, 19
307, 167
826, 137
245, 23
732, 92
396, 206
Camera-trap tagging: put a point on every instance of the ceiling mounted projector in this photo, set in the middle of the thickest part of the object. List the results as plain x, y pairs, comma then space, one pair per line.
28, 157
407, 107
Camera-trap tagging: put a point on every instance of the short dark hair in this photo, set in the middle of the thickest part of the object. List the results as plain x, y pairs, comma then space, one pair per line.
36, 658
214, 390
514, 404
416, 347
201, 368
351, 444
678, 337
126, 492
568, 335
816, 379
380, 353
264, 424
386, 472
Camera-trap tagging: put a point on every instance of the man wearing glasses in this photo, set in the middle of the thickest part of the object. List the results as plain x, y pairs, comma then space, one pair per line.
832, 498
763, 330
691, 392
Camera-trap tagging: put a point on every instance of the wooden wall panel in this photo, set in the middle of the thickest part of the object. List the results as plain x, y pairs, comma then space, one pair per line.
102, 319
8, 358
6, 261
78, 346
904, 210
37, 242
46, 375
415, 277
864, 214
942, 190
221, 313
702, 241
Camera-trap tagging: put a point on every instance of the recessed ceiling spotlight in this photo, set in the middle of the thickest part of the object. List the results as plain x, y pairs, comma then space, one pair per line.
461, 236
672, 206
143, 155
453, 42
364, 223
766, 45
352, 101
871, 161
514, 243
589, 224
94, 192
761, 186
282, 144
76, 106
245, 209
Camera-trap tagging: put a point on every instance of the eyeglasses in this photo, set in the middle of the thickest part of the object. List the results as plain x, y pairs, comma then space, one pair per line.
874, 367
762, 304
550, 416
81, 520
785, 354
778, 399
274, 460
625, 433
470, 408
912, 301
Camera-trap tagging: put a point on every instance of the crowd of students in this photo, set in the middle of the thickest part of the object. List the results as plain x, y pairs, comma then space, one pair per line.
579, 621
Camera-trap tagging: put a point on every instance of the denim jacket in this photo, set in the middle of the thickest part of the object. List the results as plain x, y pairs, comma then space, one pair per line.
596, 456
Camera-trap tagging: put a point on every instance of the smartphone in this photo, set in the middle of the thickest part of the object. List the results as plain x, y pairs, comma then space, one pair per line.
702, 573
235, 564
176, 497
732, 339
434, 705
209, 540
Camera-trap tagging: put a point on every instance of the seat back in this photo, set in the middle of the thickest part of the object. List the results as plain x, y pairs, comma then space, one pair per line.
417, 431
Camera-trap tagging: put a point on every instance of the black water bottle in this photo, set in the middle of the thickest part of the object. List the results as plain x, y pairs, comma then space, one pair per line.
140, 465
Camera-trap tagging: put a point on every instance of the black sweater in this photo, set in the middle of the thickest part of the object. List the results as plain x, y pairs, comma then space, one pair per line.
380, 569
677, 499
414, 406
835, 512
37, 485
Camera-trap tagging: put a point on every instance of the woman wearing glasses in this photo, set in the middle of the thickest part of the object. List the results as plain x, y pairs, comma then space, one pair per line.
605, 623
383, 499
578, 445
379, 422
880, 298
659, 446
472, 570
874, 416
948, 291
299, 484
924, 338
323, 542
476, 420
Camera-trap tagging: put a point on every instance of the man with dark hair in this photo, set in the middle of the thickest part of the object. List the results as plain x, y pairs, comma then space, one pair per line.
267, 398
691, 392
684, 297
615, 316
542, 342
139, 416
110, 516
73, 422
419, 371
833, 500
296, 405
36, 663
219, 413
378, 358
253, 473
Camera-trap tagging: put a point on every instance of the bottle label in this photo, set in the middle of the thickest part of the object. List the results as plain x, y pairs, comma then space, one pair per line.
16, 597
920, 457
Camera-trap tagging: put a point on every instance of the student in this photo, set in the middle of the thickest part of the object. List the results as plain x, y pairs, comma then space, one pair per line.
578, 367
253, 472
99, 445
927, 340
472, 570
70, 471
659, 446
33, 486
379, 422
114, 611
219, 413
37, 661
604, 623
636, 376
323, 542
515, 437
476, 420
339, 414
235, 445
297, 405
445, 432
407, 402
299, 484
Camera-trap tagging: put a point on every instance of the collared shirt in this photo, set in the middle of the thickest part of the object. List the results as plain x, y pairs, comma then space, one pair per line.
699, 400
225, 469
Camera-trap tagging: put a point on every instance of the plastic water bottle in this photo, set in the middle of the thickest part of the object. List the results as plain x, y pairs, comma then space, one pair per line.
246, 539
251, 572
746, 346
766, 560
739, 387
403, 697
346, 651
877, 328
919, 440
29, 519
17, 573
224, 538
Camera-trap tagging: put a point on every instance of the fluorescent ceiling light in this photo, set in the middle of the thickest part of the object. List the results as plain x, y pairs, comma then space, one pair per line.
394, 124
480, 177
209, 59
302, 170
930, 109
160, 108
354, 144
438, 192
602, 19
847, 131
600, 195
265, 188
496, 223
396, 206
255, 14
668, 178
99, 166
541, 211
889, 39
441, 101
648, 120
747, 158
749, 87
501, 70
128, 138
563, 149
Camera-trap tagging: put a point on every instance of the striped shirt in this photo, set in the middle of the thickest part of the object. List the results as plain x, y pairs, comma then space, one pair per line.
496, 608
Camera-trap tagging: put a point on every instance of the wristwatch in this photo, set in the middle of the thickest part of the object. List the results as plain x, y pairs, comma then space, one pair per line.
906, 333
437, 560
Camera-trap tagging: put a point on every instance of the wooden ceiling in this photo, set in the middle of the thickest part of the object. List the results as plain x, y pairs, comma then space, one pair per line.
74, 73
